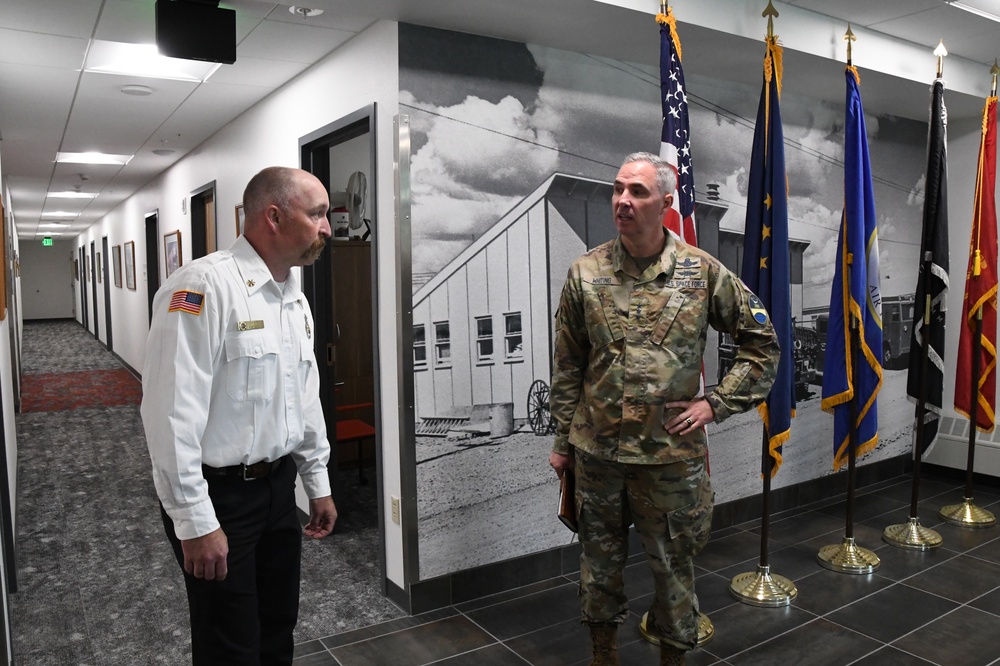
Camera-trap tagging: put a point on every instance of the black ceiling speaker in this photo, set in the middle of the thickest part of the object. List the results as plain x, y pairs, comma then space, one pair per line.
196, 30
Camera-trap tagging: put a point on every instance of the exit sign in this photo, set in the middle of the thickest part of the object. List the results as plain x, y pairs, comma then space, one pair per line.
46, 241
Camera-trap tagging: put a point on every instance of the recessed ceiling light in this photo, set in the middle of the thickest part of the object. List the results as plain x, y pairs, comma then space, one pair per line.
304, 12
144, 60
163, 152
70, 195
92, 158
136, 90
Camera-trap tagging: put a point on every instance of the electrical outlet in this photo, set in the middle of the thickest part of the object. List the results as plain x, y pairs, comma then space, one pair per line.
395, 509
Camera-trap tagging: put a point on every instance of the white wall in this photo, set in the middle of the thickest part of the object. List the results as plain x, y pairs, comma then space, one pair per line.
362, 71
47, 279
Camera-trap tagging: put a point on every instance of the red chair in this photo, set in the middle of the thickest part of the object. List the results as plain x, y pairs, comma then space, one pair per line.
355, 430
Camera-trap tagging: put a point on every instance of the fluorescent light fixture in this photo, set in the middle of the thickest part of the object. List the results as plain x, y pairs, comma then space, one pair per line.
93, 158
53, 225
60, 215
70, 195
50, 233
145, 61
989, 9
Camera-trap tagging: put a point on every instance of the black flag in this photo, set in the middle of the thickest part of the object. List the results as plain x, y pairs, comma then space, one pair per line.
932, 282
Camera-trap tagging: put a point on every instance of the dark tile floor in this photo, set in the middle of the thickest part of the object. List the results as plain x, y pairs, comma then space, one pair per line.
940, 606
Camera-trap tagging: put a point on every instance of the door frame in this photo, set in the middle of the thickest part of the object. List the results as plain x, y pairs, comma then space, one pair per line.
152, 229
314, 157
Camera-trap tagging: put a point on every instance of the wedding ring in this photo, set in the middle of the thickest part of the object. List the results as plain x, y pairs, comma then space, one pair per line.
689, 421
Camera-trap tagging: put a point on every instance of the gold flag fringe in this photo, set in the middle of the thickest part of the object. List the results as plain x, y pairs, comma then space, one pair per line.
670, 20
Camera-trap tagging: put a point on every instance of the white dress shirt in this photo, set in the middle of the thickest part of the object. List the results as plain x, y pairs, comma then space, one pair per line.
232, 381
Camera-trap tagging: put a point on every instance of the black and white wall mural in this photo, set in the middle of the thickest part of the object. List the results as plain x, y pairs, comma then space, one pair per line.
514, 148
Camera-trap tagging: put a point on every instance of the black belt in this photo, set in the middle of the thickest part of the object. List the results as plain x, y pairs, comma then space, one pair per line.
258, 470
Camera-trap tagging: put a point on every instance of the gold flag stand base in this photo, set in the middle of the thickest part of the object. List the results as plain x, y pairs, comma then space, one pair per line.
968, 514
848, 558
706, 630
911, 535
762, 588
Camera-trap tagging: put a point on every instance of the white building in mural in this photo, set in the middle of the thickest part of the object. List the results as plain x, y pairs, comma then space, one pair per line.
482, 327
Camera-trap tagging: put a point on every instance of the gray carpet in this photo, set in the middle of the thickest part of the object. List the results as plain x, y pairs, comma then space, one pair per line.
97, 583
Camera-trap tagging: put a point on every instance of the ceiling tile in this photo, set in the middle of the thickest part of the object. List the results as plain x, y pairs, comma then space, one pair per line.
128, 21
275, 40
26, 48
51, 17
257, 72
34, 102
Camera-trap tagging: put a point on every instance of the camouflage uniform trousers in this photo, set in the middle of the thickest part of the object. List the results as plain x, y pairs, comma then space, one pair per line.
671, 506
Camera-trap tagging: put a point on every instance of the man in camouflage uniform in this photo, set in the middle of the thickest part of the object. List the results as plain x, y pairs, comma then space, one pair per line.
630, 335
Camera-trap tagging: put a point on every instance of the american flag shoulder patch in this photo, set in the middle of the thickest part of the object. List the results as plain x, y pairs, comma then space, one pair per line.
186, 301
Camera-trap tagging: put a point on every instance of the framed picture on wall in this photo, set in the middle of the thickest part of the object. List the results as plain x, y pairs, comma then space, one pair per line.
130, 264
239, 219
172, 256
116, 264
86, 268
76, 269
99, 268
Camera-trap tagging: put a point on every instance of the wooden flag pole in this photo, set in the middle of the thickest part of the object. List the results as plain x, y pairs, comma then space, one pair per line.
912, 534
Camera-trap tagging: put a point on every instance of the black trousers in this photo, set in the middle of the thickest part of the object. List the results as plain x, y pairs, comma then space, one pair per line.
247, 619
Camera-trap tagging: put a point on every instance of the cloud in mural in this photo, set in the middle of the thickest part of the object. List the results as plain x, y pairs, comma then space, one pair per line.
459, 193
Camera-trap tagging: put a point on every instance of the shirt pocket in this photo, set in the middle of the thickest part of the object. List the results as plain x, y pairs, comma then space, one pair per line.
681, 323
603, 324
251, 366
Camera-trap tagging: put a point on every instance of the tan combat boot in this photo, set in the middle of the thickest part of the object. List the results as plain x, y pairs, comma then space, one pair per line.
605, 640
671, 655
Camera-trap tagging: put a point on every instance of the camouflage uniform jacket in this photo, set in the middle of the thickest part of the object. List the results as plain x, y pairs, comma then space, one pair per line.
626, 343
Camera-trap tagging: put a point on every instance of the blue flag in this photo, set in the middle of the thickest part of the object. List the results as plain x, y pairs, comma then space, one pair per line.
766, 261
855, 295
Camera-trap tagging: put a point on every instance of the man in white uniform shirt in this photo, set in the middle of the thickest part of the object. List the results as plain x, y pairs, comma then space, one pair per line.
231, 412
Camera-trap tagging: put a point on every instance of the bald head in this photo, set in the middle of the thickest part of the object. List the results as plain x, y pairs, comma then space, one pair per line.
273, 185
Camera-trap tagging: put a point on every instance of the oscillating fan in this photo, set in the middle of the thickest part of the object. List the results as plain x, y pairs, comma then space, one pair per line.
348, 212
357, 189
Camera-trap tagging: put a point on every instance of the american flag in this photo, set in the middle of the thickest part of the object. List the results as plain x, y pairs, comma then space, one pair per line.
186, 301
675, 139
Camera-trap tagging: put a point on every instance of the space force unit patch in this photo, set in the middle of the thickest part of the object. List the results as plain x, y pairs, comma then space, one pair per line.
757, 310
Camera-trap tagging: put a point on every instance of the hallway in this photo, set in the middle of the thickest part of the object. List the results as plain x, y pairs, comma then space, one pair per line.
97, 582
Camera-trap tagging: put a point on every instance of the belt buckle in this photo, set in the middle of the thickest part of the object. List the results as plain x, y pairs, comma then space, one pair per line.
249, 478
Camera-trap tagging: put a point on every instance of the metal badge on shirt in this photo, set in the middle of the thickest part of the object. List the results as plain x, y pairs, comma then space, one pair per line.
250, 325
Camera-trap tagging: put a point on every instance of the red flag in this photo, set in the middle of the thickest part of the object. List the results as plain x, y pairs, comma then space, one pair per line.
981, 287
675, 137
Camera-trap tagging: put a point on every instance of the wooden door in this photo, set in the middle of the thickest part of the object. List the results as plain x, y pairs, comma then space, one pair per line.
353, 349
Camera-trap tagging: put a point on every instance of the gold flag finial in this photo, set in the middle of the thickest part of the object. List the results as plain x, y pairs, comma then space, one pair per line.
771, 13
940, 52
849, 37
994, 71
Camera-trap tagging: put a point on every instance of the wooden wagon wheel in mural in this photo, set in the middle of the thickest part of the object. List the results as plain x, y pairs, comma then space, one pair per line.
538, 409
